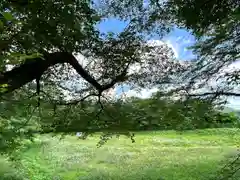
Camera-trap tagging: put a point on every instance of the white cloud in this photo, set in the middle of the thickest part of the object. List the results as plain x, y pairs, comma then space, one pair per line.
178, 40
234, 66
174, 47
234, 102
134, 69
154, 42
82, 60
111, 93
146, 93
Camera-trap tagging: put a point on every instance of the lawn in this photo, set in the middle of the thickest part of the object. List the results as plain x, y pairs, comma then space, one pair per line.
168, 155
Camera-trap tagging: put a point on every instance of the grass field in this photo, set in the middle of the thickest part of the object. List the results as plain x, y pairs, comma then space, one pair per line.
192, 155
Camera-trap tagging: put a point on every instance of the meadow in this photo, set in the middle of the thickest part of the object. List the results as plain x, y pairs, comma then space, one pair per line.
159, 155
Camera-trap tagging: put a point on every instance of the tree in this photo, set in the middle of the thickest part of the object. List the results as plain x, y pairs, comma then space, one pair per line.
51, 56
54, 59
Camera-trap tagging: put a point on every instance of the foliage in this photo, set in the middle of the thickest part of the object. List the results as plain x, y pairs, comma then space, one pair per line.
135, 114
205, 15
39, 27
17, 121
216, 25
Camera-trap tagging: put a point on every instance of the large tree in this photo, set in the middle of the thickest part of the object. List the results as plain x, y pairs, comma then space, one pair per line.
54, 57
58, 44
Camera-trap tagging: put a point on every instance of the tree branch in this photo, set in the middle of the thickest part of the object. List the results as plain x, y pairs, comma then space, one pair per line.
34, 68
220, 93
75, 102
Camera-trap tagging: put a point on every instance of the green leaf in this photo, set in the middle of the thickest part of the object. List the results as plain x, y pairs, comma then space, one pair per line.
237, 16
96, 18
1, 25
8, 16
3, 85
3, 88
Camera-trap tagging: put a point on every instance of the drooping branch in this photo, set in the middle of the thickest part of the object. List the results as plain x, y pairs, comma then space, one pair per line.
76, 101
34, 68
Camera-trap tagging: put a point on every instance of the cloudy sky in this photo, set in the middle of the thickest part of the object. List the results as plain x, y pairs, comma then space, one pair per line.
179, 40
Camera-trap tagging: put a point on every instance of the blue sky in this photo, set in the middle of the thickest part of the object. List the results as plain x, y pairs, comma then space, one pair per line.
179, 40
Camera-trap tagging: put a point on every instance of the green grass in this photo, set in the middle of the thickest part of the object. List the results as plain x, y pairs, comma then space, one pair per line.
192, 155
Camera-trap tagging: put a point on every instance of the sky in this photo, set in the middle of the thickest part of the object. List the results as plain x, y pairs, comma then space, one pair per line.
178, 39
